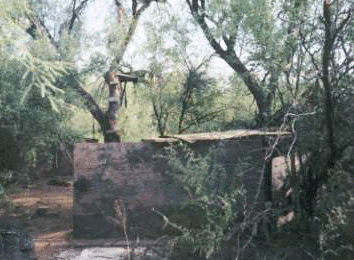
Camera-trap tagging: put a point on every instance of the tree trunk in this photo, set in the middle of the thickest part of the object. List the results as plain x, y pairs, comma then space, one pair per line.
110, 130
107, 120
228, 54
263, 101
326, 56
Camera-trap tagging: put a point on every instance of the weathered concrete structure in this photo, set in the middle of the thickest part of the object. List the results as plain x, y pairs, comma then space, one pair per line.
131, 174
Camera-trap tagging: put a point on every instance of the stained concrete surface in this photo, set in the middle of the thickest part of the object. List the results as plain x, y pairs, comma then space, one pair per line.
93, 253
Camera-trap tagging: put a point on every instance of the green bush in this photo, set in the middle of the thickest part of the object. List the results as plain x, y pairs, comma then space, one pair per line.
212, 206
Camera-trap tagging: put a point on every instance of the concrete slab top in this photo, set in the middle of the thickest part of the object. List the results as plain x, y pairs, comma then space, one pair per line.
93, 253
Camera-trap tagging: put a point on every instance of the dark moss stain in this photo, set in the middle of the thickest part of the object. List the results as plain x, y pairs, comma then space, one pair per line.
82, 185
103, 186
140, 154
129, 191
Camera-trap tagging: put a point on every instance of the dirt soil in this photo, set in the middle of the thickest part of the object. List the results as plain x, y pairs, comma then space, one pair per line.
46, 211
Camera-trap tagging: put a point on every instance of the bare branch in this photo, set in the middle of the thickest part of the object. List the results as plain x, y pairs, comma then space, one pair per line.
117, 3
76, 13
90, 103
344, 21
137, 12
38, 27
134, 7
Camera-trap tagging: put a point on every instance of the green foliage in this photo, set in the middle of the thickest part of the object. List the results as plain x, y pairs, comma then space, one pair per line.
42, 74
240, 101
135, 120
331, 207
185, 102
36, 129
29, 124
82, 121
186, 95
33, 111
12, 22
214, 200
31, 63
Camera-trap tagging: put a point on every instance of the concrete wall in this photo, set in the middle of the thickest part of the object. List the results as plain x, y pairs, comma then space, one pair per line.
132, 174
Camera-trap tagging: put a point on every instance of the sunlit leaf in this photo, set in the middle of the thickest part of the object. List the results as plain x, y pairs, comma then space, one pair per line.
53, 104
25, 94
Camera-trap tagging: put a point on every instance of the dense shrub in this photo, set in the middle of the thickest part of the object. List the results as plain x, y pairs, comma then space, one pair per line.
202, 222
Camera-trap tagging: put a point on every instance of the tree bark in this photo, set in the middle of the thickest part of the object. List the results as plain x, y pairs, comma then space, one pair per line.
110, 132
326, 56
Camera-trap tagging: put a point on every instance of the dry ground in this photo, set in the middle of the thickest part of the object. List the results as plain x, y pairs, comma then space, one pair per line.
46, 211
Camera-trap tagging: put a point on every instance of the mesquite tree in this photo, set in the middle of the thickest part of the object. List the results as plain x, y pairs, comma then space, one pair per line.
221, 23
106, 119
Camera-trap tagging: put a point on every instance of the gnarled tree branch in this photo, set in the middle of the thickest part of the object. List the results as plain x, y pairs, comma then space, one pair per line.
231, 58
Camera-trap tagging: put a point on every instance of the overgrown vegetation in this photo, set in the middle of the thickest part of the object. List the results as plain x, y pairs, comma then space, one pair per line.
214, 201
33, 130
292, 69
